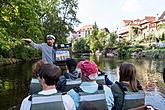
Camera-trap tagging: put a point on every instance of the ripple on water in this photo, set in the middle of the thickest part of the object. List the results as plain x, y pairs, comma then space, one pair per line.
156, 99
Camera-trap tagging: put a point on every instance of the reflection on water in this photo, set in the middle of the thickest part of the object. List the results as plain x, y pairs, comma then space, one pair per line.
149, 71
13, 85
14, 78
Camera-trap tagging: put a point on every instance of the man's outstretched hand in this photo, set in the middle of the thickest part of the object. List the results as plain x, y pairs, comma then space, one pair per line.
27, 40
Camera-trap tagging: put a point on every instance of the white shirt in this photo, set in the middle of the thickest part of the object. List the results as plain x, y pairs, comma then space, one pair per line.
67, 100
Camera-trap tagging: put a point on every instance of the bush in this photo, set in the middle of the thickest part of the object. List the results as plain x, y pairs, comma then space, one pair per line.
79, 44
25, 52
155, 53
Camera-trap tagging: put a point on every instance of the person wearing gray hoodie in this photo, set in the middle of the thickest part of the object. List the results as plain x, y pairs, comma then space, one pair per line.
48, 52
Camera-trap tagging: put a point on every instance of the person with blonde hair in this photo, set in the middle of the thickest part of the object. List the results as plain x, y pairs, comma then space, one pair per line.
128, 92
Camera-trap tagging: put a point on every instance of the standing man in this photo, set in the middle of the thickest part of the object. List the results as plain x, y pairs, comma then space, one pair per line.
48, 52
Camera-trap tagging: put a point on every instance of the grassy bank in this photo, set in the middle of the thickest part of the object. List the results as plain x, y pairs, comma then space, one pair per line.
9, 61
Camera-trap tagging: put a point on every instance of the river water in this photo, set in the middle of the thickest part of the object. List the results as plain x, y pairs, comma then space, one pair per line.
14, 79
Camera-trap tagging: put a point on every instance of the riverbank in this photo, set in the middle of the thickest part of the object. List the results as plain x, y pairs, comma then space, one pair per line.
9, 61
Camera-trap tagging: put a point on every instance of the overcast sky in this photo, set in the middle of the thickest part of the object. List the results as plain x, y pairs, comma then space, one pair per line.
109, 13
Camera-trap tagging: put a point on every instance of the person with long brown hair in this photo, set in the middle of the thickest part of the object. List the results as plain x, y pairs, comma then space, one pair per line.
128, 92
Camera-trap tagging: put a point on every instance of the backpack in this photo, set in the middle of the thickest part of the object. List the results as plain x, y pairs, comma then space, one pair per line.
96, 99
61, 83
47, 102
128, 99
34, 86
70, 84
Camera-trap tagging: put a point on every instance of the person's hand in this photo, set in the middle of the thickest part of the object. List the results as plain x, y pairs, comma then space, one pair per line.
27, 40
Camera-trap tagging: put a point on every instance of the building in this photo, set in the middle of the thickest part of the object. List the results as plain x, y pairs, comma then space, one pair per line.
138, 27
83, 32
159, 23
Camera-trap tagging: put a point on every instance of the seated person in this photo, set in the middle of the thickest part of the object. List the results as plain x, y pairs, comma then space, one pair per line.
35, 86
72, 73
127, 92
89, 90
70, 83
48, 99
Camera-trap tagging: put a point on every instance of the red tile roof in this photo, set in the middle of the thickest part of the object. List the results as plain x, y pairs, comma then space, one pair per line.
150, 18
127, 21
85, 27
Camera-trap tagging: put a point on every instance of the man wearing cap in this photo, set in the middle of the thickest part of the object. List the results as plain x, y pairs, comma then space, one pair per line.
89, 73
46, 48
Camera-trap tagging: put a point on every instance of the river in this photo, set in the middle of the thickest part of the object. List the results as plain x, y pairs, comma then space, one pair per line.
14, 79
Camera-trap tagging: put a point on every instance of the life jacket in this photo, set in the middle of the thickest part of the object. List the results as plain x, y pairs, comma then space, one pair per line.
101, 80
125, 99
35, 86
63, 85
47, 102
97, 98
70, 84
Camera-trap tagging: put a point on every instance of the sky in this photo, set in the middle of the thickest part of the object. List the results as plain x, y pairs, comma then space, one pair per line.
110, 13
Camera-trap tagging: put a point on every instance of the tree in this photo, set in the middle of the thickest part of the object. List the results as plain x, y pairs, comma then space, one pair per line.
151, 37
163, 36
134, 33
111, 41
35, 19
78, 45
92, 40
161, 26
68, 10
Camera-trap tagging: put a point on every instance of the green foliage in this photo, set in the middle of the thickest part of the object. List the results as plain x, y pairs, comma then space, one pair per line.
59, 17
151, 37
135, 30
131, 50
96, 41
163, 36
68, 12
34, 19
155, 53
26, 52
162, 26
79, 44
95, 45
111, 42
123, 49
